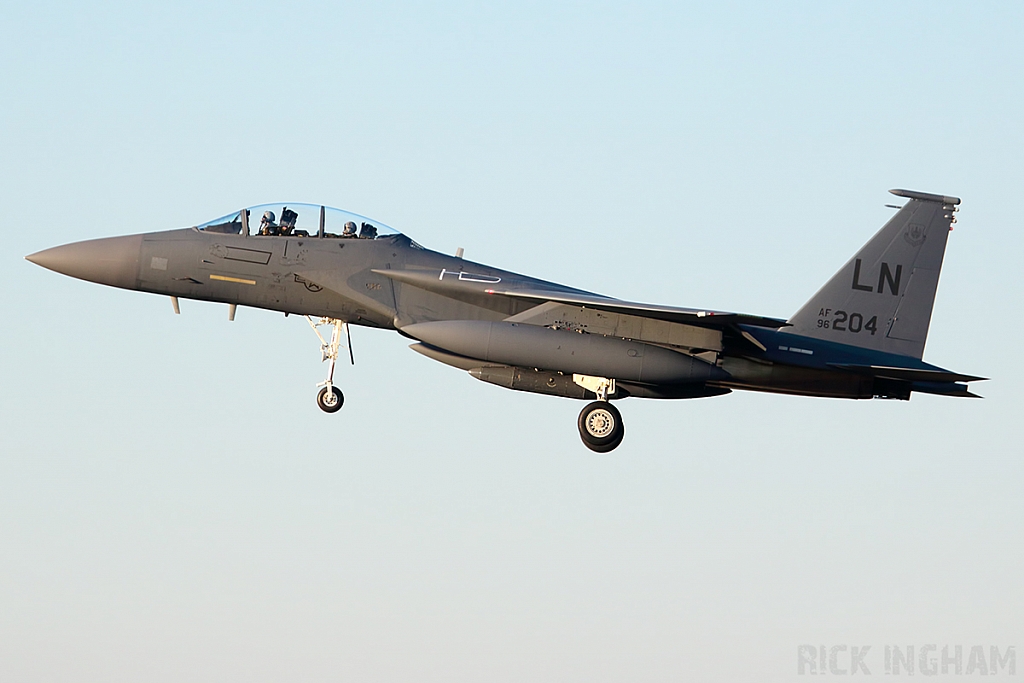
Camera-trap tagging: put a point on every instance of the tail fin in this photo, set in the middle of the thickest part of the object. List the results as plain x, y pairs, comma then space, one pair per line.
882, 298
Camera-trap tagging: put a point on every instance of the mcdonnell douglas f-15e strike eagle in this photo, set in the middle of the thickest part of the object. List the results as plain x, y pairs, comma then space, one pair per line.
862, 335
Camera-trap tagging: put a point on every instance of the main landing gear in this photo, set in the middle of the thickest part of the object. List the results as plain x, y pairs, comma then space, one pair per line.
601, 427
600, 423
330, 399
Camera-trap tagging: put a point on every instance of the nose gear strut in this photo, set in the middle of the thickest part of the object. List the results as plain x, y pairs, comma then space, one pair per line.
330, 399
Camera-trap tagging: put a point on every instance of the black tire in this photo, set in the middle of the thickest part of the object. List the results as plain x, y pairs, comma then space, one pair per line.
608, 448
601, 427
332, 403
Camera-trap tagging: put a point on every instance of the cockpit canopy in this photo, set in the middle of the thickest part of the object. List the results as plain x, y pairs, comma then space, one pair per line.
298, 220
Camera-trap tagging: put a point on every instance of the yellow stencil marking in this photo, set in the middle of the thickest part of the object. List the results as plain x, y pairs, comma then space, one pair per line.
239, 280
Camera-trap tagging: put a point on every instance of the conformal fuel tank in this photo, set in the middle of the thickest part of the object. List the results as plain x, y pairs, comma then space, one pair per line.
533, 346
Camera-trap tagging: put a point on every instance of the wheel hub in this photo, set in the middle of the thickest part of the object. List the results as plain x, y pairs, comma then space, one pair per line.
600, 423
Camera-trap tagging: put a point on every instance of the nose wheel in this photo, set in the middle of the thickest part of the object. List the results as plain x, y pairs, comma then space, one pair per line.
601, 427
330, 399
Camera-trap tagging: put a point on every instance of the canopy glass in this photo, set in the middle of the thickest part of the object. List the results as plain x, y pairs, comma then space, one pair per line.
299, 220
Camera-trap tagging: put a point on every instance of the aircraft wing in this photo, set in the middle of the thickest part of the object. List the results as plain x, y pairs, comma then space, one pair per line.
462, 285
689, 316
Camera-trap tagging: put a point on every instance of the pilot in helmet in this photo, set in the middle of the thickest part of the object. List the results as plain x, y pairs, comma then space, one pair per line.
267, 224
350, 230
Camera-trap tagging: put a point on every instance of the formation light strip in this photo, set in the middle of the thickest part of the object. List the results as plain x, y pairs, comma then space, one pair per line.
239, 280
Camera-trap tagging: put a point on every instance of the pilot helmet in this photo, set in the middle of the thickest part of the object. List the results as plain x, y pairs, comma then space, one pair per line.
350, 228
269, 217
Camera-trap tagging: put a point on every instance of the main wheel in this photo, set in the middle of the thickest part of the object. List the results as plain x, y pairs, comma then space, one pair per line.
330, 402
601, 426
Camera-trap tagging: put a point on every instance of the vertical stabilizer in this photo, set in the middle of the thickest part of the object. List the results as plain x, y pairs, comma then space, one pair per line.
882, 298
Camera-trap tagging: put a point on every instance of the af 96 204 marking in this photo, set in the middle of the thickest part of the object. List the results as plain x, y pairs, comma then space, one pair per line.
847, 322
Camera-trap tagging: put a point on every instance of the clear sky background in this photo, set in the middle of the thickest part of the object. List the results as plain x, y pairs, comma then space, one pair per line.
173, 505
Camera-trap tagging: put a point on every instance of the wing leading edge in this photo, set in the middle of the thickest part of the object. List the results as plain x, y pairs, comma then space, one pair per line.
689, 316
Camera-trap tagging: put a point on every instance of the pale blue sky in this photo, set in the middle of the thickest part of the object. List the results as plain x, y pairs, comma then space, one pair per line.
174, 507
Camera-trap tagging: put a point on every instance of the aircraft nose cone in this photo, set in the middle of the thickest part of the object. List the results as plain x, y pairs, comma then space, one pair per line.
112, 261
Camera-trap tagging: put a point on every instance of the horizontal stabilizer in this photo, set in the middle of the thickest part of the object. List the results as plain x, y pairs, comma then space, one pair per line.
906, 374
689, 316
944, 389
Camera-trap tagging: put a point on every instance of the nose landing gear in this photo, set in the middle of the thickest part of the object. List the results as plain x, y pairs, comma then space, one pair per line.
330, 399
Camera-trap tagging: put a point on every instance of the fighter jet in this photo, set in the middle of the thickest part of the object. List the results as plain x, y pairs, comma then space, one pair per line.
862, 335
